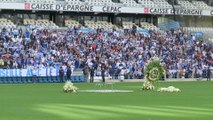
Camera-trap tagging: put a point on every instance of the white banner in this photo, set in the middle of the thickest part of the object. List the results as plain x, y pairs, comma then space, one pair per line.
82, 8
28, 72
102, 9
12, 6
169, 11
39, 72
177, 11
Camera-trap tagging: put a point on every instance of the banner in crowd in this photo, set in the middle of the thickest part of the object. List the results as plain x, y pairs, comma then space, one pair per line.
198, 34
103, 9
38, 72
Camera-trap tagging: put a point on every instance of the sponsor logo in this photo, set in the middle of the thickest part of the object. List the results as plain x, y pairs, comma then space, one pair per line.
146, 10
211, 12
111, 9
27, 6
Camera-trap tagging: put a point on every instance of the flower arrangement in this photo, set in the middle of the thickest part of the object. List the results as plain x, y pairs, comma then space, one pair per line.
153, 72
148, 86
169, 89
69, 87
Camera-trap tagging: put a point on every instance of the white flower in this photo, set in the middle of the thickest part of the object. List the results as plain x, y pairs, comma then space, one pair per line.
147, 85
169, 89
69, 87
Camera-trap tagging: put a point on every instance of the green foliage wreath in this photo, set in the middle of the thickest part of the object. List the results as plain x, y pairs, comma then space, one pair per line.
154, 71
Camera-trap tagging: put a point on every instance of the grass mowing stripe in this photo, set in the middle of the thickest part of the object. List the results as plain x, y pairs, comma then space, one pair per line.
183, 113
122, 110
34, 101
190, 108
78, 110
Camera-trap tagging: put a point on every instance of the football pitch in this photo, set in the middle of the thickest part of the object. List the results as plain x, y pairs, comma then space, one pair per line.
49, 102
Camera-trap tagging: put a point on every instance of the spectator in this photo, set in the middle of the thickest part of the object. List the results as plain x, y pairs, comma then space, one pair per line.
209, 74
86, 73
92, 74
61, 74
69, 72
103, 68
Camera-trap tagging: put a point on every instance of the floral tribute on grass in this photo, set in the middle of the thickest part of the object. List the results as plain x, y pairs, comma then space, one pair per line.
169, 89
153, 72
69, 87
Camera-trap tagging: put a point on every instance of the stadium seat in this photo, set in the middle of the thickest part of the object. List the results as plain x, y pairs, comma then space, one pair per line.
186, 4
147, 3
201, 5
41, 1
162, 3
71, 23
4, 23
41, 24
148, 26
8, 1
75, 2
128, 25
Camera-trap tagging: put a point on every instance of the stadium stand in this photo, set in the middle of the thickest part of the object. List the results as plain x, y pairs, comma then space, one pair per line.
5, 23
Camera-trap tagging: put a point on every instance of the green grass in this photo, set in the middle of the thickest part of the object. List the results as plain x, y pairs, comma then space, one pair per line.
48, 102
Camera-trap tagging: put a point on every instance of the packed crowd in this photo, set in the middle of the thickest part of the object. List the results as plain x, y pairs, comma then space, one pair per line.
127, 53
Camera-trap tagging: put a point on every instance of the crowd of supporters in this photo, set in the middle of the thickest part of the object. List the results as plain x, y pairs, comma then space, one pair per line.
118, 52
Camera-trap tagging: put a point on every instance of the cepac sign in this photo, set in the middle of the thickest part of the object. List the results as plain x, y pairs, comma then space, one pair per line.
111, 9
